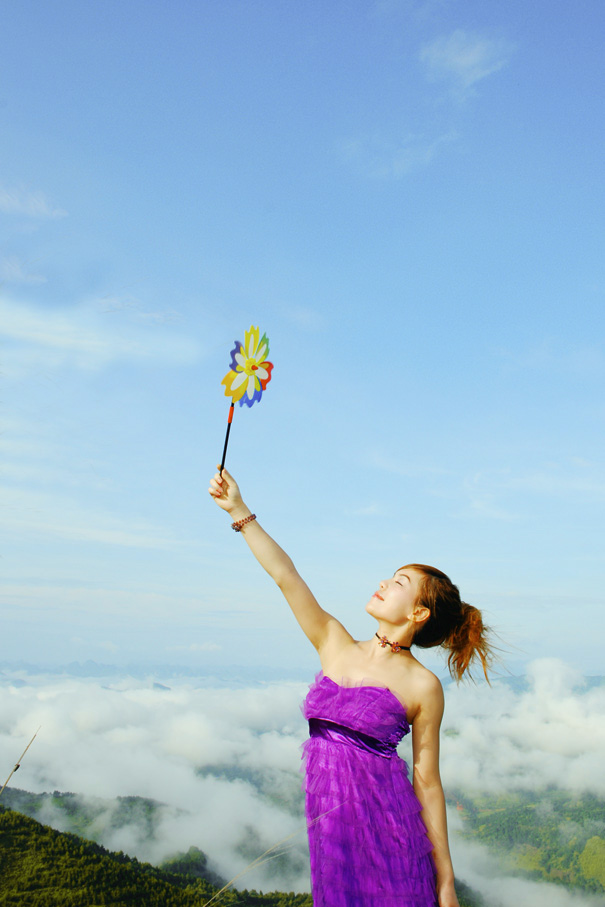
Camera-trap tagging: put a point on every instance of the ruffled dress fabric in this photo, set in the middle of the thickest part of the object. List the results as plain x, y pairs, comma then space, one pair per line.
368, 843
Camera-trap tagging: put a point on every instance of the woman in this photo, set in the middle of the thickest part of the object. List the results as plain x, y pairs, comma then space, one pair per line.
374, 839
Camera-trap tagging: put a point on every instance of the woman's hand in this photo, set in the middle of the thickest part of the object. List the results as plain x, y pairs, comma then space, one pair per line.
446, 895
225, 491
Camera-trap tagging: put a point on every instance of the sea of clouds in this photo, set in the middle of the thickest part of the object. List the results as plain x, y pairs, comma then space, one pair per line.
225, 763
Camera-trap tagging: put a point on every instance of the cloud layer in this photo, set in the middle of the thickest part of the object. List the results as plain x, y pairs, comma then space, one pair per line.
225, 761
551, 735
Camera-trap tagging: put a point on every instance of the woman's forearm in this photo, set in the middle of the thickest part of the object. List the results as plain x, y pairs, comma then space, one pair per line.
265, 549
225, 491
434, 816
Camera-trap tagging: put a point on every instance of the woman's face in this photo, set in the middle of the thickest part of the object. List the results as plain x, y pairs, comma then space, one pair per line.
394, 599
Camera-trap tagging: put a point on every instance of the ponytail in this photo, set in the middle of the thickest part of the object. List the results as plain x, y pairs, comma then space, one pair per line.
453, 624
468, 643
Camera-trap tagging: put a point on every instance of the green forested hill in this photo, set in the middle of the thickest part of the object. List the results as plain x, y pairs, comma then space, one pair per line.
41, 867
551, 835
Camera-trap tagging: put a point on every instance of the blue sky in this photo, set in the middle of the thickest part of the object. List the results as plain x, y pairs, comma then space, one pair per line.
408, 199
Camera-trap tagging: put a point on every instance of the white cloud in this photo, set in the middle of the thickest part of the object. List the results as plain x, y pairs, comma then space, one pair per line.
504, 494
129, 304
82, 338
30, 456
56, 516
463, 58
381, 158
13, 270
115, 600
30, 204
571, 478
553, 734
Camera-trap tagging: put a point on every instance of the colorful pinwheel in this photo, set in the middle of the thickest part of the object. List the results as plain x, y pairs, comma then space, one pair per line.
250, 371
248, 376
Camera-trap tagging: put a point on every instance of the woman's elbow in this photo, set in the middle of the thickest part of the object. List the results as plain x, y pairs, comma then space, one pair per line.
427, 781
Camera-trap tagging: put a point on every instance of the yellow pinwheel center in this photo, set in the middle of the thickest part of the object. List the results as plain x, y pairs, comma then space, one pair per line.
250, 366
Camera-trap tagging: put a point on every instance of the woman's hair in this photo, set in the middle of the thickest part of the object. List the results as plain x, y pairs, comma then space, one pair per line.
453, 624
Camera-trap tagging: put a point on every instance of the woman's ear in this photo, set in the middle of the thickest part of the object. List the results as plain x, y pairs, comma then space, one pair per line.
420, 614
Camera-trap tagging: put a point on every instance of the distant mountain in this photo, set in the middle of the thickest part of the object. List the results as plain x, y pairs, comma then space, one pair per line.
87, 816
216, 676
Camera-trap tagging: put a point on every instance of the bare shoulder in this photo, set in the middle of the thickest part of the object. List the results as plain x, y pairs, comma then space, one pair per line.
424, 693
428, 683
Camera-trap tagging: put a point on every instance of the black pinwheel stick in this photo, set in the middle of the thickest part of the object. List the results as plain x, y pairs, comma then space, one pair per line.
229, 421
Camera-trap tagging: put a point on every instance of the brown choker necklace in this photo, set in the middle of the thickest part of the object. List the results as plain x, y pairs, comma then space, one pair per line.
395, 646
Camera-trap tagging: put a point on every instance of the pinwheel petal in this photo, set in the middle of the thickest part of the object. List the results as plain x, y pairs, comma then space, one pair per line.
238, 379
251, 342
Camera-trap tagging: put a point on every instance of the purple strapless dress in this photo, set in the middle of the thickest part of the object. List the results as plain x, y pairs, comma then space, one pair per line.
368, 843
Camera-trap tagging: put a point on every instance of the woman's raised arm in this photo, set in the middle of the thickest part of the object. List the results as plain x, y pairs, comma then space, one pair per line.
317, 624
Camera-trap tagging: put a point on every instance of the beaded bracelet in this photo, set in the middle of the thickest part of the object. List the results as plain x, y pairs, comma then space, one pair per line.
239, 524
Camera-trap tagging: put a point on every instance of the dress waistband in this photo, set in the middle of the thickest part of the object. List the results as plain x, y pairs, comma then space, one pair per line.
339, 733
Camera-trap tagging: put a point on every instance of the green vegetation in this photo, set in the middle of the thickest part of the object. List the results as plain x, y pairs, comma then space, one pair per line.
193, 863
41, 867
552, 835
592, 860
